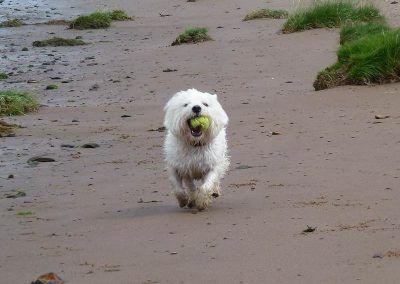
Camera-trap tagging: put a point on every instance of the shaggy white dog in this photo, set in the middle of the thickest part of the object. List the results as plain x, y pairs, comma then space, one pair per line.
194, 156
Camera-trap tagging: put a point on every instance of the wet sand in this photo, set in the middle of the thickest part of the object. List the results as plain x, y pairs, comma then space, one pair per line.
107, 215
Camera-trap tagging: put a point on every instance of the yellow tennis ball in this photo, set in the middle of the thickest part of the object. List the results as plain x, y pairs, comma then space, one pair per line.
200, 122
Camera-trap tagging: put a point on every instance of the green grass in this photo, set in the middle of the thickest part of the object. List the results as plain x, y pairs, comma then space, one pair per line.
119, 15
96, 20
11, 23
266, 14
192, 35
3, 76
99, 20
52, 87
16, 103
354, 31
373, 59
24, 213
57, 41
330, 14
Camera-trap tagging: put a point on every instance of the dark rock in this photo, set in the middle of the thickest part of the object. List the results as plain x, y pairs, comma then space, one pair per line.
170, 70
40, 159
309, 230
90, 145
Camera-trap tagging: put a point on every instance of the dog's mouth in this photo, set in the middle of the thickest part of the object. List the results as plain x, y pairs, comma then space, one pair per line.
196, 132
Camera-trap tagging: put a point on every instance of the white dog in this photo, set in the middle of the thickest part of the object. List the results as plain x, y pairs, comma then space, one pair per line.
192, 155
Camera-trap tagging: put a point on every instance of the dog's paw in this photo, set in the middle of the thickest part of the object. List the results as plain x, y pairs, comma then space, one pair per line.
216, 193
182, 198
203, 200
191, 204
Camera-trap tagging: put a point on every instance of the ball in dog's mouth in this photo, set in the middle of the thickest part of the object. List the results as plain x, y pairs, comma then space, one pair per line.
198, 125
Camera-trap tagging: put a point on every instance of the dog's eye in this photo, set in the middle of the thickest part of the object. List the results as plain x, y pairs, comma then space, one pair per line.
205, 104
185, 105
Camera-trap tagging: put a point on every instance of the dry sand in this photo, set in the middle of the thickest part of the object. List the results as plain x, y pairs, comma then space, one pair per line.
106, 215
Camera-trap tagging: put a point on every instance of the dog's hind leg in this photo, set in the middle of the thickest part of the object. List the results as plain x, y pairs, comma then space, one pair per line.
179, 191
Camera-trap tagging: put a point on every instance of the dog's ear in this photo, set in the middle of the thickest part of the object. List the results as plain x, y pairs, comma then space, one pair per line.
215, 96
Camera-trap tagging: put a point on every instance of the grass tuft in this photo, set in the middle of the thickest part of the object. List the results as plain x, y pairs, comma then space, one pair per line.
120, 15
330, 14
3, 76
266, 14
24, 213
96, 20
354, 31
11, 23
373, 59
192, 35
16, 103
57, 41
99, 20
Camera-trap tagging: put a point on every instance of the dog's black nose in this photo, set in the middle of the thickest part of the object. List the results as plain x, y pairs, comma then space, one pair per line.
196, 109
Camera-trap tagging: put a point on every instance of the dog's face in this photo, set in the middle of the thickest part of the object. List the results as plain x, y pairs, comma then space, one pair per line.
185, 105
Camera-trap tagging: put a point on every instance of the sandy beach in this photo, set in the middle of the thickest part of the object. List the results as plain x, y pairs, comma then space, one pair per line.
107, 214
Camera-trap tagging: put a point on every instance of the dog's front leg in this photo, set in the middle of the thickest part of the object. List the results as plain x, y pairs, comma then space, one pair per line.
208, 189
179, 191
192, 191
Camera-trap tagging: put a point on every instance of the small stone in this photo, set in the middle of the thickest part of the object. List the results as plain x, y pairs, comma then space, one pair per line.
378, 255
67, 146
170, 70
48, 278
90, 145
125, 115
309, 230
40, 159
381, 116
